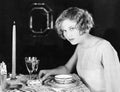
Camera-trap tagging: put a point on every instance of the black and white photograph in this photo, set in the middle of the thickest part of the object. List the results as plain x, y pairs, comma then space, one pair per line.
59, 46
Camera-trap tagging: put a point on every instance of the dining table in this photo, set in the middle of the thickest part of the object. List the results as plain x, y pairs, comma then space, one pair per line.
22, 83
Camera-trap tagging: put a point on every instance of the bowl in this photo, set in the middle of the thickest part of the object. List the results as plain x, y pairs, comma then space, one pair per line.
63, 78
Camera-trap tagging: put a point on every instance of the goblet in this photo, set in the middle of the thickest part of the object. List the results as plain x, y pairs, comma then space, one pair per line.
36, 63
31, 64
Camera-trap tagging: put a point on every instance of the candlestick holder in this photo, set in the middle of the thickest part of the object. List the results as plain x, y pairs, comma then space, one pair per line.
13, 78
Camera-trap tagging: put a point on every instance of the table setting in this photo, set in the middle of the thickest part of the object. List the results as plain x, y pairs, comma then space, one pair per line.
57, 83
32, 83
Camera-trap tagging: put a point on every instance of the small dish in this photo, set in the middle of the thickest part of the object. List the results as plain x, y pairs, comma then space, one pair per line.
34, 82
15, 90
63, 78
28, 89
15, 86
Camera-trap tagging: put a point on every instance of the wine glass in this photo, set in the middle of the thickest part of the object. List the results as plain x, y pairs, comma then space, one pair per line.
31, 64
28, 63
35, 64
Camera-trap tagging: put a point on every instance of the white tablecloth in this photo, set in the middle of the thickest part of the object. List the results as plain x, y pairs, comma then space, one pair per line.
80, 87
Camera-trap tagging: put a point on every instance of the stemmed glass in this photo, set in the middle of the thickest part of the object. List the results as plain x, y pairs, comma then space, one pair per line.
31, 64
36, 63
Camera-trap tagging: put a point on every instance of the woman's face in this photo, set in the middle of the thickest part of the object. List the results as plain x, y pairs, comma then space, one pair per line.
71, 31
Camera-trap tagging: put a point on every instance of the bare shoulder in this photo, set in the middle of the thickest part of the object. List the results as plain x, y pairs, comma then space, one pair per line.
103, 43
96, 41
93, 41
99, 41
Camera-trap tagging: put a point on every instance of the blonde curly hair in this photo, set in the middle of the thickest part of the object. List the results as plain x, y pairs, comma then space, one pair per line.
82, 17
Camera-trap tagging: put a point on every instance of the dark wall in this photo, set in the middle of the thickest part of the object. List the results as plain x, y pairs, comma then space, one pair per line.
51, 50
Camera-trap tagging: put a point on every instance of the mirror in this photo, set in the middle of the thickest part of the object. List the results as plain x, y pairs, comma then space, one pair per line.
40, 19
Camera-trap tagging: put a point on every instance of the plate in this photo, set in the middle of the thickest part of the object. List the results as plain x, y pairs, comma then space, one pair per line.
22, 90
28, 90
15, 90
53, 83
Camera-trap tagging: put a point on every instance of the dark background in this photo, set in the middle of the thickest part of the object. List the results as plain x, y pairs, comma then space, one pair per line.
51, 50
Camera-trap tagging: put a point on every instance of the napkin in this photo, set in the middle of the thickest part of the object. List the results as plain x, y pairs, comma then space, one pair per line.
3, 75
3, 68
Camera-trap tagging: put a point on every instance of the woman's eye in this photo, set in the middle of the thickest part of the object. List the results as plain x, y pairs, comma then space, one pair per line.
71, 29
64, 30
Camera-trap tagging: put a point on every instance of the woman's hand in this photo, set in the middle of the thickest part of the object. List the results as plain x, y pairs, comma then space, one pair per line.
44, 74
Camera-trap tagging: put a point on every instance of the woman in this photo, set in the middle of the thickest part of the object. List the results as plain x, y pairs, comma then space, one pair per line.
95, 59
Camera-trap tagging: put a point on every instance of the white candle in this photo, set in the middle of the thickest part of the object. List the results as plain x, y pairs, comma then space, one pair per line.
14, 51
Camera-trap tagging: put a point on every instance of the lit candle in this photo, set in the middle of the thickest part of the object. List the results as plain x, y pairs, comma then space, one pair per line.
14, 51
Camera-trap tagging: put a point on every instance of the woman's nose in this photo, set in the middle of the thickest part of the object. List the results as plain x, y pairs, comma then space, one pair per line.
69, 34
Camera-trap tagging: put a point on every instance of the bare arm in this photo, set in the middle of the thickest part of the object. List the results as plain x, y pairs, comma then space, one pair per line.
111, 69
72, 61
65, 69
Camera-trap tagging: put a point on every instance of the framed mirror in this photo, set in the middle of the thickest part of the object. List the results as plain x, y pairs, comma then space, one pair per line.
40, 19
